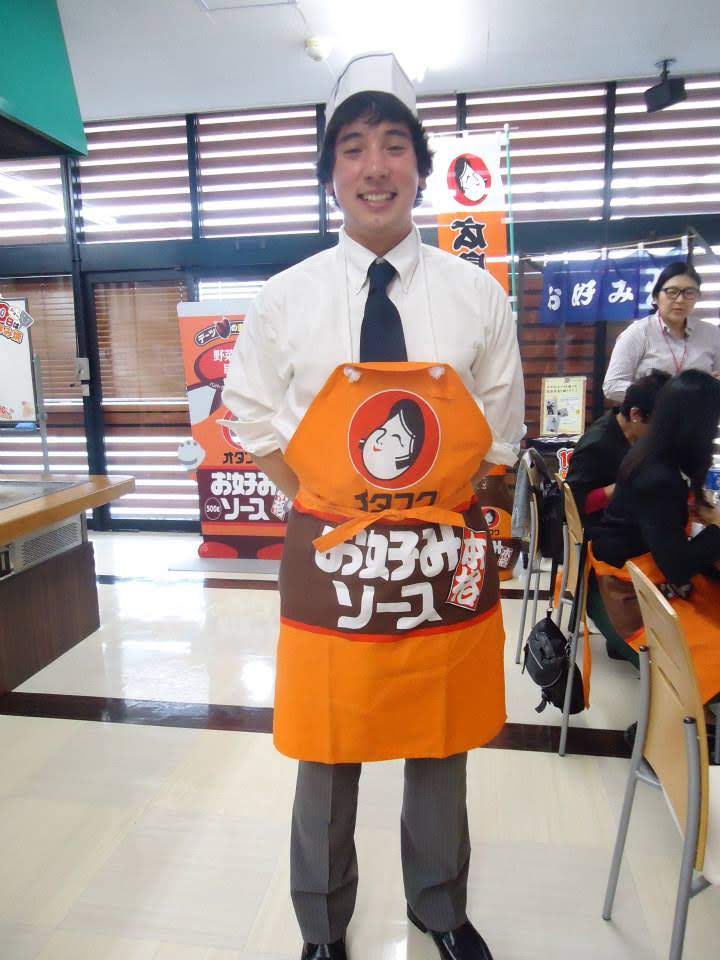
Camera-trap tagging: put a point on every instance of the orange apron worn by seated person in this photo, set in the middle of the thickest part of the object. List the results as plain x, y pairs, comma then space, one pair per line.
391, 633
699, 615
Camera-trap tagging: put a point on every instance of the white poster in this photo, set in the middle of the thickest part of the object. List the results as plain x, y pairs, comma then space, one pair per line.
17, 391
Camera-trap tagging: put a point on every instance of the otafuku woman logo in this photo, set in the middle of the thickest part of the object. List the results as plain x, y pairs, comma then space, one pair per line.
394, 439
469, 179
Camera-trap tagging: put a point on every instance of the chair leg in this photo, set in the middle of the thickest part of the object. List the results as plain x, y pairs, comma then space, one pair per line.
565, 722
680, 919
620, 844
523, 614
692, 827
536, 595
564, 579
575, 624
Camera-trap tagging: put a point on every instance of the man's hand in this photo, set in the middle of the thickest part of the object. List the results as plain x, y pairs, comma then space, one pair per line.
609, 490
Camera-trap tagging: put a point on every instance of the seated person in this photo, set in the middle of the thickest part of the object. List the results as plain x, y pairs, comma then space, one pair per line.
647, 522
597, 457
591, 477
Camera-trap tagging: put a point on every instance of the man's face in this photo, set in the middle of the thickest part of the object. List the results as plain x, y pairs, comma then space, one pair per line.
375, 182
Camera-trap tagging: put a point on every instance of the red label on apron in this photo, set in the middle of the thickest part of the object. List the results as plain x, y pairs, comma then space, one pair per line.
469, 574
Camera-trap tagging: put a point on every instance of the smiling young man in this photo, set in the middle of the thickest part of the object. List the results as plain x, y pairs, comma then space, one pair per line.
425, 683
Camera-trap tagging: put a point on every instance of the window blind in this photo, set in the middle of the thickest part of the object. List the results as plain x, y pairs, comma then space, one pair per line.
667, 162
557, 143
257, 172
144, 398
31, 202
134, 182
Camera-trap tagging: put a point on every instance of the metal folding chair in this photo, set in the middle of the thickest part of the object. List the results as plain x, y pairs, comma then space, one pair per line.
534, 557
573, 593
671, 752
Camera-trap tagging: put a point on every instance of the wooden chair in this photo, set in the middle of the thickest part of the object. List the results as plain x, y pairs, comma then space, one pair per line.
573, 593
534, 557
671, 752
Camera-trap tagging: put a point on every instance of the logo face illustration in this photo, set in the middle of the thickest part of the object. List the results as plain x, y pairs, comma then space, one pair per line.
394, 439
468, 179
492, 517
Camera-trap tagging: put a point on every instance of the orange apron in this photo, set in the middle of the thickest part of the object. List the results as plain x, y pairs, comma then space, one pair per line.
391, 633
699, 616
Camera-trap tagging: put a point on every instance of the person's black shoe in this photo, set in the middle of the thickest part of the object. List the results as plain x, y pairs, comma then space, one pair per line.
324, 951
462, 943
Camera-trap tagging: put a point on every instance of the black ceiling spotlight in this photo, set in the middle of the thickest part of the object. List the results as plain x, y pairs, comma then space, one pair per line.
667, 92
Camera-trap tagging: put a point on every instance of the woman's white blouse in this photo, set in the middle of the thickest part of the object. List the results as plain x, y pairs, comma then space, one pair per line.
647, 345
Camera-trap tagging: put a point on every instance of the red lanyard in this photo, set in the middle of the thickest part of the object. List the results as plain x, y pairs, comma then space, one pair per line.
678, 366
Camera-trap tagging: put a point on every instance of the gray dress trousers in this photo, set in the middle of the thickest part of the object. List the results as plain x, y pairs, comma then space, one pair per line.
435, 845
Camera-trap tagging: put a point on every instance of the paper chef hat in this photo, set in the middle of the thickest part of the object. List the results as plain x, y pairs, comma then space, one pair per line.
372, 71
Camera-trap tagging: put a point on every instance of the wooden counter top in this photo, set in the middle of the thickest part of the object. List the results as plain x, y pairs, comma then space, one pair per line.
25, 518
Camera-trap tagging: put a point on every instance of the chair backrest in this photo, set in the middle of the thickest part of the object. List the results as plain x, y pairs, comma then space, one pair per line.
674, 695
572, 514
574, 543
535, 484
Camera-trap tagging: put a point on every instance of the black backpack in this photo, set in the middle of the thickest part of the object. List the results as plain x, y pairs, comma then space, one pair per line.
547, 659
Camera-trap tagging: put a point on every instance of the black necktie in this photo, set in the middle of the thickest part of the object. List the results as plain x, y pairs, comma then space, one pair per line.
381, 337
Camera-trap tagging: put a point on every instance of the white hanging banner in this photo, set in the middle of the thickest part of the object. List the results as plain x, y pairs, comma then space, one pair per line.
468, 198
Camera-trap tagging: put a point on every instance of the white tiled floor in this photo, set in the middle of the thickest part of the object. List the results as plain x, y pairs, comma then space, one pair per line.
180, 641
122, 842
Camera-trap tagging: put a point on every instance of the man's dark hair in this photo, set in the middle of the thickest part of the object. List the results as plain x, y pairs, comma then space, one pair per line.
678, 269
682, 430
376, 107
643, 392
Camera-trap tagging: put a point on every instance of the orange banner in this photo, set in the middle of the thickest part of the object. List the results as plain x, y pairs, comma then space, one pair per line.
242, 512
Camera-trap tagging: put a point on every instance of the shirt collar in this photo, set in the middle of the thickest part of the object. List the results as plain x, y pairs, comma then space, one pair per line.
404, 257
689, 326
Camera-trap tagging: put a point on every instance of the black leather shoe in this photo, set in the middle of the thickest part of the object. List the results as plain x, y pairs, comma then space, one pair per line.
462, 943
324, 951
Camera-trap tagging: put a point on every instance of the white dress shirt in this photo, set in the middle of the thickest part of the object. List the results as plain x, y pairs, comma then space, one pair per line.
649, 344
307, 321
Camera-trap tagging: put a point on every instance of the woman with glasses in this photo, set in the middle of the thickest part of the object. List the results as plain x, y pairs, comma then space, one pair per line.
667, 340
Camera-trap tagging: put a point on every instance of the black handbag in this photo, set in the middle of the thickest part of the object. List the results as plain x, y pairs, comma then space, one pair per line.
547, 660
551, 509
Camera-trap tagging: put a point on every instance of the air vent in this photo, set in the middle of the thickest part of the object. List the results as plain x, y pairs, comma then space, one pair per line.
34, 549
